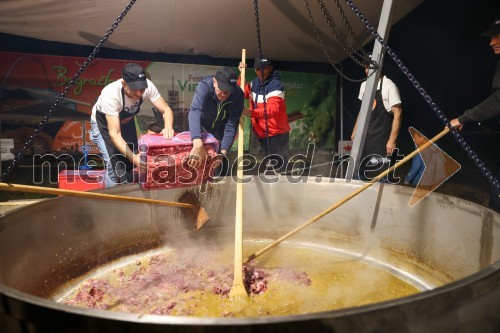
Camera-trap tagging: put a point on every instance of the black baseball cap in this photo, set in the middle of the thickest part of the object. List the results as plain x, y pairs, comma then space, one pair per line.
258, 62
226, 79
493, 30
135, 76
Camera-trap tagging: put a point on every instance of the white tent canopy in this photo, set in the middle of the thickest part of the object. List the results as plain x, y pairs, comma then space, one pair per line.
217, 28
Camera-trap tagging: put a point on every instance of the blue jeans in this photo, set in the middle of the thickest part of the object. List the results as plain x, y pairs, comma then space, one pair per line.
95, 135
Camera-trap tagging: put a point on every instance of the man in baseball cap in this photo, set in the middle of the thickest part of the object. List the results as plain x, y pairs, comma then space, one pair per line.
488, 108
267, 109
226, 79
112, 124
216, 108
493, 30
264, 62
135, 76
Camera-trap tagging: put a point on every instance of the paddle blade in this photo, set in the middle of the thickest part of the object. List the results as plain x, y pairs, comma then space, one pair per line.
238, 291
197, 213
201, 218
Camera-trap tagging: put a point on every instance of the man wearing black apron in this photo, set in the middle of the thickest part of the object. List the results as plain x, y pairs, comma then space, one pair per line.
382, 131
112, 122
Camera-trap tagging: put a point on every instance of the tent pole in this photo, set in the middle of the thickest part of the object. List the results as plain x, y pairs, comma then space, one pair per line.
341, 91
370, 89
0, 147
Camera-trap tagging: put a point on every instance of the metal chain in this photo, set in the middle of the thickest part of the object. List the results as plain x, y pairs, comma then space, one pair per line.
335, 67
309, 167
357, 43
61, 97
261, 81
346, 46
479, 163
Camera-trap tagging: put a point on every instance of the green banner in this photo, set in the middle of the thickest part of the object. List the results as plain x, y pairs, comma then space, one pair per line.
311, 107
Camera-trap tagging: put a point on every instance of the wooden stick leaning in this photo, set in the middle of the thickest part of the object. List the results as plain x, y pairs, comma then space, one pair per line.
238, 288
348, 197
201, 214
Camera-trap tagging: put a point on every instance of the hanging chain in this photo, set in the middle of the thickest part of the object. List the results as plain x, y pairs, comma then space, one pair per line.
465, 146
61, 97
357, 43
368, 61
261, 80
295, 170
346, 46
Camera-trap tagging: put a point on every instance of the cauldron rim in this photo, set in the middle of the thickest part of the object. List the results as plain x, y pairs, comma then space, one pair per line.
411, 308
491, 272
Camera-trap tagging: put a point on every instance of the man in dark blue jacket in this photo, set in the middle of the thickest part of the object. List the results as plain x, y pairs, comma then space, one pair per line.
216, 108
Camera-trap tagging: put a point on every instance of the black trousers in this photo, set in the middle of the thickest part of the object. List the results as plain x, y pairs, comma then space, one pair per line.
276, 150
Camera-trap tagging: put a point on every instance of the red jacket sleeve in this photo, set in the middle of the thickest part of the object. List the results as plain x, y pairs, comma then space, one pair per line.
273, 106
247, 88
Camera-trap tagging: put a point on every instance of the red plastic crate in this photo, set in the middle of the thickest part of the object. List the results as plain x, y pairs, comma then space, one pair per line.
166, 161
81, 180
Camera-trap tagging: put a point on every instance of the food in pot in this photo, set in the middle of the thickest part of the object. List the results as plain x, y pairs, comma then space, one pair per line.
292, 280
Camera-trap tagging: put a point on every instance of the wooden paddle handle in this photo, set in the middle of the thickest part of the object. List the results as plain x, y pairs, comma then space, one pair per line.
238, 288
91, 195
349, 196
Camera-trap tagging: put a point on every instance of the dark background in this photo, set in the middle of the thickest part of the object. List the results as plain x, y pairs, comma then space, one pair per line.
440, 43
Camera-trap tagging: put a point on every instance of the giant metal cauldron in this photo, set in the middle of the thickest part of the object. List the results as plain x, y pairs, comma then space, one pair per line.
447, 246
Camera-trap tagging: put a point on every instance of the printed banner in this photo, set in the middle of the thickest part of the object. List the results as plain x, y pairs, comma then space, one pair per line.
33, 82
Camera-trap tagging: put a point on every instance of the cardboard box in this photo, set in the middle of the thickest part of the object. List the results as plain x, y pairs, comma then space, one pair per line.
167, 161
81, 180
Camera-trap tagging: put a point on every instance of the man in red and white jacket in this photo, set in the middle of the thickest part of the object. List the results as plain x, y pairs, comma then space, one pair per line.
269, 122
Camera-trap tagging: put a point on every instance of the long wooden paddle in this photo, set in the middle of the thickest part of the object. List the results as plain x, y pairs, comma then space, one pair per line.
348, 197
238, 288
188, 199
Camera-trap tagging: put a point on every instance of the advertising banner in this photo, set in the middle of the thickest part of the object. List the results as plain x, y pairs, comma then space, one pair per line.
31, 83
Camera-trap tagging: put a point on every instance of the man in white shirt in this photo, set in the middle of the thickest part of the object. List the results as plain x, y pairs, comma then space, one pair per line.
112, 122
384, 126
